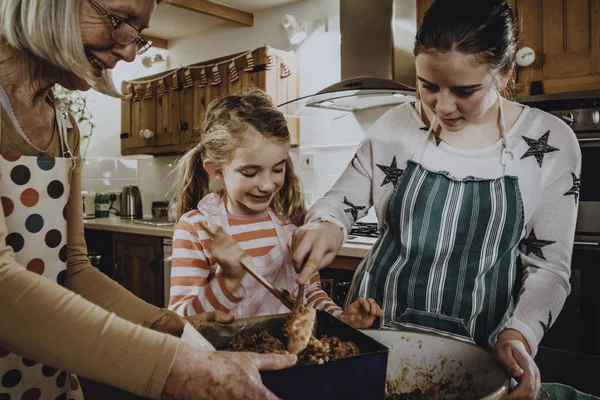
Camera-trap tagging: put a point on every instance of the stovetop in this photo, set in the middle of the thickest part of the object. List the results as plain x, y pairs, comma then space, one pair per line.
364, 229
363, 233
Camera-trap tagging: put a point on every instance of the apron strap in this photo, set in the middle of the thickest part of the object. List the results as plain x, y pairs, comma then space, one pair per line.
508, 155
419, 152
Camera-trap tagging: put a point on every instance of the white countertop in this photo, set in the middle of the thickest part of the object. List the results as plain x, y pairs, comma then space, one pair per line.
358, 247
116, 224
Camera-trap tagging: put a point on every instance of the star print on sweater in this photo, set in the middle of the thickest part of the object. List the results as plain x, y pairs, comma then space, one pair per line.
575, 188
392, 173
537, 148
353, 210
534, 245
547, 325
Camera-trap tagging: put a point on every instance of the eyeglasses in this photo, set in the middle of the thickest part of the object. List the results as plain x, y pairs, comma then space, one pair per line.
123, 32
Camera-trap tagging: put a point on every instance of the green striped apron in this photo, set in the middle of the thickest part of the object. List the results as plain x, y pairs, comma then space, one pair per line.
446, 259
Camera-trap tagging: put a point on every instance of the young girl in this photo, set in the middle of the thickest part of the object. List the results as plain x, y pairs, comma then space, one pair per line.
244, 144
470, 190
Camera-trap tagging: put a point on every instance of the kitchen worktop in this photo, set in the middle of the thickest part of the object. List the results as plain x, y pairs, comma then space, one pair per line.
116, 224
357, 248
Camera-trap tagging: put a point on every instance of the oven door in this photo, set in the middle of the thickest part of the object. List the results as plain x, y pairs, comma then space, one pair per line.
588, 218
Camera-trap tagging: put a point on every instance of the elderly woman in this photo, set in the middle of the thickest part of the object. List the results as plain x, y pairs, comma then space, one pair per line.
57, 312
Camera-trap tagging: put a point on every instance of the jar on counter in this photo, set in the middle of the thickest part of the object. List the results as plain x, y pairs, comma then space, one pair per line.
101, 203
160, 209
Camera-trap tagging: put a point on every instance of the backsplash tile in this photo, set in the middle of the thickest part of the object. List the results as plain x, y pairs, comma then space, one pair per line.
89, 169
107, 168
127, 168
153, 176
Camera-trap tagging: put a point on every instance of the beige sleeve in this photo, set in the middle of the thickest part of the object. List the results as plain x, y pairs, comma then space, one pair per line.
54, 326
88, 281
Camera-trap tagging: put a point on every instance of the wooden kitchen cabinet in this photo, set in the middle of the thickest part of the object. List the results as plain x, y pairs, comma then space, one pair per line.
175, 117
138, 266
565, 35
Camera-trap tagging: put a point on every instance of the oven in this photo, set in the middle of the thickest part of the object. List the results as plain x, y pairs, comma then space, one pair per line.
576, 333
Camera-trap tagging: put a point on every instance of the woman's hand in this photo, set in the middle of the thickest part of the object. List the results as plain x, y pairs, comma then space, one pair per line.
314, 246
513, 354
228, 253
361, 313
202, 374
169, 323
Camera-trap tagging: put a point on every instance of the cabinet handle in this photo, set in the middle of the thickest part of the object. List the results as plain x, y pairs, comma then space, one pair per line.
587, 243
116, 271
155, 266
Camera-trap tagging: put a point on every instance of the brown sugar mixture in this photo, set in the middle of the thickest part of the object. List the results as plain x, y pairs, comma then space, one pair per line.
318, 351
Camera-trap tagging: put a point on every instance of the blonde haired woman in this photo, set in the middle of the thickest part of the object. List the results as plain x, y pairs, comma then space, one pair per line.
91, 327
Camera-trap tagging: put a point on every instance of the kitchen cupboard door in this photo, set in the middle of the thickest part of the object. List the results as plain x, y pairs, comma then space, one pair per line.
126, 120
187, 117
138, 266
565, 35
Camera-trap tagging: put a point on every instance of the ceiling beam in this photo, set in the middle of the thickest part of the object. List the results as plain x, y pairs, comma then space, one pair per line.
156, 42
215, 10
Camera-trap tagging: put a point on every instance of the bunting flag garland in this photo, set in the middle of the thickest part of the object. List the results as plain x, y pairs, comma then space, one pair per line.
171, 80
216, 76
130, 91
285, 69
175, 82
139, 93
188, 82
249, 63
149, 93
203, 78
270, 61
233, 72
161, 90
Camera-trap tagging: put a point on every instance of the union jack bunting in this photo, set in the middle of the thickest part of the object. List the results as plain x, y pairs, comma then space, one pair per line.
233, 72
285, 69
161, 89
139, 92
270, 61
175, 81
249, 63
149, 92
188, 82
216, 76
203, 78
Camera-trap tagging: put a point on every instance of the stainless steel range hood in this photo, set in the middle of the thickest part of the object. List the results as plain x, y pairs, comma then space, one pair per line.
377, 65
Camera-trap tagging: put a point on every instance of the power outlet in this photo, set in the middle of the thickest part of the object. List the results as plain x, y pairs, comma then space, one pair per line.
307, 160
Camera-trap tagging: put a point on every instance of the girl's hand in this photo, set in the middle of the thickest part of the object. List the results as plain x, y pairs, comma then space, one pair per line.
228, 253
314, 246
218, 316
513, 354
361, 313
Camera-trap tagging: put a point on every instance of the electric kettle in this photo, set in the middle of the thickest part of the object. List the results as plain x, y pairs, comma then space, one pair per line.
131, 203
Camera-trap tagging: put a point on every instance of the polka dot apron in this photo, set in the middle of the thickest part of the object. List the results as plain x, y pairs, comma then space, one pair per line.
32, 190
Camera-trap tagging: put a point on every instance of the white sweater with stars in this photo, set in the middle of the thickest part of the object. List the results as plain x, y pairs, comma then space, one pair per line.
547, 164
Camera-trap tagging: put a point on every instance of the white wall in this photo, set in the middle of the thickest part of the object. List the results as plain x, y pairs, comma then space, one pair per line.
331, 142
321, 51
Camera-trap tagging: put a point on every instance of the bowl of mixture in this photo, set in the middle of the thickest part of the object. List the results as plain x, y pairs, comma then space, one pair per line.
431, 367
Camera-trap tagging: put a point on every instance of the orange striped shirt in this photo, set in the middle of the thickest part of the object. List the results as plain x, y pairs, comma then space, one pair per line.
196, 285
